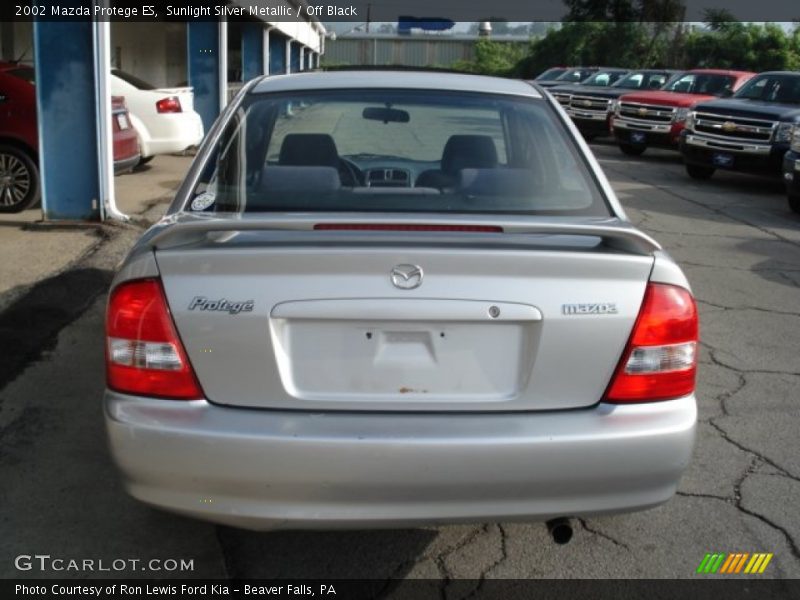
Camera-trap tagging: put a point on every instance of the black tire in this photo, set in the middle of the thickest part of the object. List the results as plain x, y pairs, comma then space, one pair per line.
589, 137
699, 171
19, 180
144, 160
794, 203
632, 150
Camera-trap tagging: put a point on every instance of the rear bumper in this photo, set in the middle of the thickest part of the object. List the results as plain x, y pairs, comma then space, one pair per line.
264, 469
126, 164
172, 133
791, 173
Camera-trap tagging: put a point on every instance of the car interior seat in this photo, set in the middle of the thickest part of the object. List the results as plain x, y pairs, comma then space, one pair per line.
315, 150
460, 152
308, 150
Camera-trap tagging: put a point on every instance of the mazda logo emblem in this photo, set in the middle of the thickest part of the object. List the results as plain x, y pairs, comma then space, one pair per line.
406, 277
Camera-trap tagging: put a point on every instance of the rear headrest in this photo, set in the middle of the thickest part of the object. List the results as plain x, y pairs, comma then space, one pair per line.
512, 183
299, 179
309, 150
469, 152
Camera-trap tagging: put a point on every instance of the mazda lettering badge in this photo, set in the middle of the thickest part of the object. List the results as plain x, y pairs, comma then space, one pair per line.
406, 277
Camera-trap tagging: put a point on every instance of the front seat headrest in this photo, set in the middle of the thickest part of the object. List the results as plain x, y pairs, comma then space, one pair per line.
469, 152
308, 150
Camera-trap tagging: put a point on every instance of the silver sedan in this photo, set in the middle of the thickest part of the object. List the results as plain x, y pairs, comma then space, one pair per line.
397, 298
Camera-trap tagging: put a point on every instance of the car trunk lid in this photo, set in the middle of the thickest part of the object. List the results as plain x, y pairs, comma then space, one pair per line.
277, 314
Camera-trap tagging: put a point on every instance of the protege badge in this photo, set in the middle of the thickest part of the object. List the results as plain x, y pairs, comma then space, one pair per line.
234, 308
600, 308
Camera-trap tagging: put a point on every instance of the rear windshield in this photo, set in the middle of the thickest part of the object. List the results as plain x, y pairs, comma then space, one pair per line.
26, 73
396, 151
702, 83
133, 80
782, 89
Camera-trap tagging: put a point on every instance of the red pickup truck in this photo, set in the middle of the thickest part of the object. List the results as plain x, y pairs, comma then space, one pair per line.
19, 140
656, 118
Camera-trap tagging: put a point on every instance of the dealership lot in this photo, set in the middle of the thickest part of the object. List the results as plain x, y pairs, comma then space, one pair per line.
740, 247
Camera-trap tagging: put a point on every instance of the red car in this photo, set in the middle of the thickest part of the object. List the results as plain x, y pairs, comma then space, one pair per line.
19, 141
126, 142
656, 118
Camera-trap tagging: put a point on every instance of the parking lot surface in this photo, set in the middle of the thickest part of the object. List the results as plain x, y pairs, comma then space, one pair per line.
740, 247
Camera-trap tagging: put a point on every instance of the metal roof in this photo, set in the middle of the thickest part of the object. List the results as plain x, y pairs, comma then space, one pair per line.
378, 79
433, 37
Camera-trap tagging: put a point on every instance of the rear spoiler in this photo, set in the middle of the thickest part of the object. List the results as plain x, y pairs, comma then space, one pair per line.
183, 228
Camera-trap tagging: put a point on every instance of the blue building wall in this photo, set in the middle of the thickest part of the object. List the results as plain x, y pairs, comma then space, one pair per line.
277, 53
295, 64
252, 50
66, 107
203, 63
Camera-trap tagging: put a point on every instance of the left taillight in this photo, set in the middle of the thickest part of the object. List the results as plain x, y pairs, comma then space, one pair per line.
144, 355
170, 104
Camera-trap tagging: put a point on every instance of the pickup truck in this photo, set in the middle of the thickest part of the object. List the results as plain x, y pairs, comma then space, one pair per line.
590, 108
656, 118
791, 172
567, 77
750, 132
602, 78
550, 76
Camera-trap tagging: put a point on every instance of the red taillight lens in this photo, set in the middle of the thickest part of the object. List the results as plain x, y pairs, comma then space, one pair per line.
660, 360
171, 104
144, 355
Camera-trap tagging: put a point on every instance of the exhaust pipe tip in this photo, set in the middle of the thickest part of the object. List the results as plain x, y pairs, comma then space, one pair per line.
560, 530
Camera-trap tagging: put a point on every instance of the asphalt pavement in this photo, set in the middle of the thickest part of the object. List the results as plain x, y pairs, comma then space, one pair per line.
740, 247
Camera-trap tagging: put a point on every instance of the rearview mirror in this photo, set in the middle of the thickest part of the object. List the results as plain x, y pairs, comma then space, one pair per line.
387, 115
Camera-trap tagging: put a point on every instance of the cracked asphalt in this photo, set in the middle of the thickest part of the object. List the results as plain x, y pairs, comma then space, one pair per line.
740, 247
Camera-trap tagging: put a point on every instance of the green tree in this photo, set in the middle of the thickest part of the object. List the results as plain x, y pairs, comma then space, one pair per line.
494, 58
746, 46
717, 19
621, 44
621, 33
651, 33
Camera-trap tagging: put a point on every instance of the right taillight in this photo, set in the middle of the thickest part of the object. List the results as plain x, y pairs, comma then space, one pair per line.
144, 355
660, 360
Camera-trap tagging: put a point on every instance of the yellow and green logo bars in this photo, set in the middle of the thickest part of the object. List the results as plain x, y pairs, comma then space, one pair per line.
734, 563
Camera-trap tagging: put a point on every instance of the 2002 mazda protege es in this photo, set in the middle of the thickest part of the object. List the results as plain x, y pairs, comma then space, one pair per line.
396, 298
